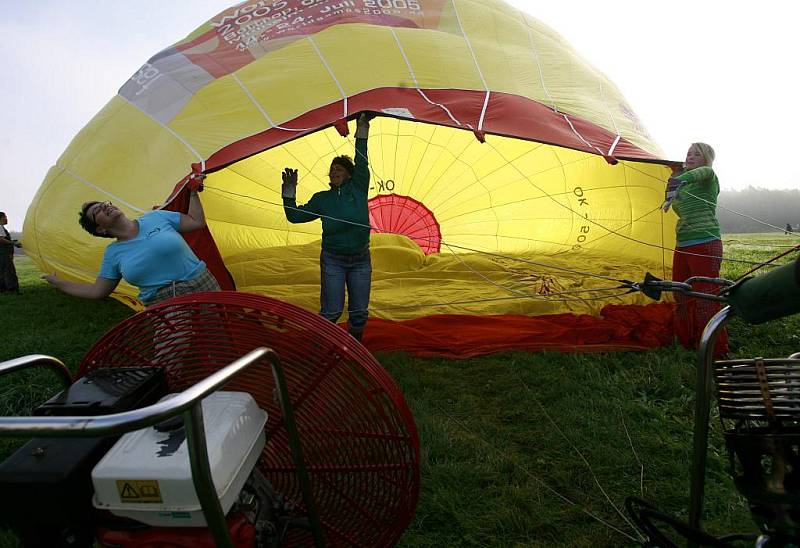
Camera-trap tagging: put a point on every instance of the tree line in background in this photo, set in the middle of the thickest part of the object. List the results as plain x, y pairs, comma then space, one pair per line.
775, 207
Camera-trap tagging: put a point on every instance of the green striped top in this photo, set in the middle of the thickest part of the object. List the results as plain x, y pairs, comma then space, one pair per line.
696, 205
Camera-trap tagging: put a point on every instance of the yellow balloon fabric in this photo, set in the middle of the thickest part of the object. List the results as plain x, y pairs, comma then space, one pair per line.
507, 175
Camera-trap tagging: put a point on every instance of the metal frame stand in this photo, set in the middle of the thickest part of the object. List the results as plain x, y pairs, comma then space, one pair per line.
189, 404
34, 360
705, 368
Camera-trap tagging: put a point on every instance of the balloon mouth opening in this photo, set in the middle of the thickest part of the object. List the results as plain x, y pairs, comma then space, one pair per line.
398, 214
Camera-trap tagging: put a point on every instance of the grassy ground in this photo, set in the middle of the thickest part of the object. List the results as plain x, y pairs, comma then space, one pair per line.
518, 449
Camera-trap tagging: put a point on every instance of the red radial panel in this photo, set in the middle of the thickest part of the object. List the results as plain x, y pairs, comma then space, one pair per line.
398, 214
359, 441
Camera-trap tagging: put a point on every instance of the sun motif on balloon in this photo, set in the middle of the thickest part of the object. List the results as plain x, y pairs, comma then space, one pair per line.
403, 215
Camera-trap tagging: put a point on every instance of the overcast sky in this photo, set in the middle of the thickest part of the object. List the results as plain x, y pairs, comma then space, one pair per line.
724, 72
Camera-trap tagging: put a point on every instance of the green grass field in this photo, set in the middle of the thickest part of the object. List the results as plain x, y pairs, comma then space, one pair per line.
518, 449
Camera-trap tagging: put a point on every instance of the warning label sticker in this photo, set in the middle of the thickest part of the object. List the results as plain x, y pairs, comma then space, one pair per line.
139, 491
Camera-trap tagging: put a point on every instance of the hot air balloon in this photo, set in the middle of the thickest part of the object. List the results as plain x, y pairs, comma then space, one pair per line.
512, 186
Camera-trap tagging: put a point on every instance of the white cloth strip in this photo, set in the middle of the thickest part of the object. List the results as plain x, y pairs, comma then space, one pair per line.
483, 110
550, 97
614, 146
172, 132
253, 100
538, 64
266, 116
477, 65
330, 71
114, 197
447, 110
469, 46
414, 77
610, 115
575, 131
405, 58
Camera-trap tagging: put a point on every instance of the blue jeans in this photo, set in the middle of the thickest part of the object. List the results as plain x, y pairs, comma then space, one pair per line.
338, 270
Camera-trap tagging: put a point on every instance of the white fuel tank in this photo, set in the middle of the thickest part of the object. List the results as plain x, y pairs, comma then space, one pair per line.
146, 475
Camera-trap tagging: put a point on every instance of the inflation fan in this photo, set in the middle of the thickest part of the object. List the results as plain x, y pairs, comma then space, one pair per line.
309, 443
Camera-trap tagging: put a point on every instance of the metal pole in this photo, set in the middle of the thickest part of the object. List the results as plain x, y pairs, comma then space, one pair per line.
202, 477
120, 423
297, 450
701, 411
25, 362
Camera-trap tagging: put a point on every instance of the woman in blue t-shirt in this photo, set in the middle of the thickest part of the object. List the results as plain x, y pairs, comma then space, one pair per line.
148, 253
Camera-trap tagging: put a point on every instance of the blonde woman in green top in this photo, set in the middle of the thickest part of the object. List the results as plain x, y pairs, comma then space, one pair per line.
692, 193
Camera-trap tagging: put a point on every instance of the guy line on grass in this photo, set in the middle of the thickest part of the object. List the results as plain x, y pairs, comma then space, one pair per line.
578, 452
639, 538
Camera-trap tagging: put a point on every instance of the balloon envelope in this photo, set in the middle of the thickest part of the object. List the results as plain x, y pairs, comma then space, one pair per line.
509, 179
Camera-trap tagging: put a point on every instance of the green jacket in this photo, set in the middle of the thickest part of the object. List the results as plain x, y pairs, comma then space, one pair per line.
344, 213
696, 205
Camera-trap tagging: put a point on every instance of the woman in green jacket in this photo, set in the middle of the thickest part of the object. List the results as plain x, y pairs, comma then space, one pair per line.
345, 259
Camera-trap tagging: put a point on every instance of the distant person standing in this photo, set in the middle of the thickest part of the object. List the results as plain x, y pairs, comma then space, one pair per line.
8, 273
788, 229
693, 192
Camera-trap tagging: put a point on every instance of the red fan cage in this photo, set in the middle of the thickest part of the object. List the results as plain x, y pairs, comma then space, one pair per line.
359, 441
